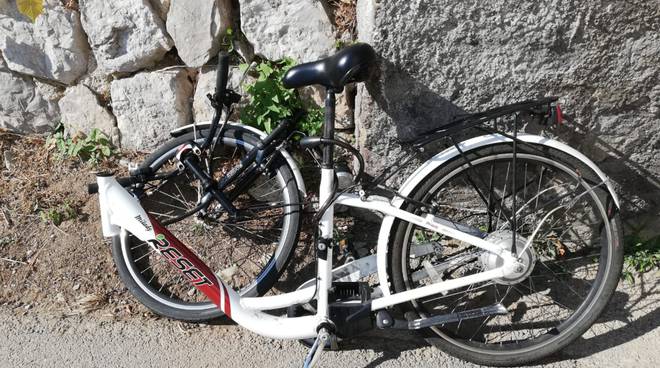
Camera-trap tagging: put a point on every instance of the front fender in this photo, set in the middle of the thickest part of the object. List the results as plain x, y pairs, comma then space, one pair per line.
447, 155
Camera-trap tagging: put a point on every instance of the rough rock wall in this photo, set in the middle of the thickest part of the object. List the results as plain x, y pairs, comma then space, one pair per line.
133, 68
443, 56
437, 57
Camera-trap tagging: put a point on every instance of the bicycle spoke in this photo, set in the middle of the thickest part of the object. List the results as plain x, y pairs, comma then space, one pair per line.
247, 243
566, 262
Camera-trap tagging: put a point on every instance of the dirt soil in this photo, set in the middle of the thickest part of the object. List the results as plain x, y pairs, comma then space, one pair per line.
625, 336
65, 268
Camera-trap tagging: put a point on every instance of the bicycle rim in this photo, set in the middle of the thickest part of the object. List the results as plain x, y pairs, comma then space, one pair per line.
571, 273
248, 254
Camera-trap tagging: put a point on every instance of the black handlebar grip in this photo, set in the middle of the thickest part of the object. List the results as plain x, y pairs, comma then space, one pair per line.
123, 181
222, 75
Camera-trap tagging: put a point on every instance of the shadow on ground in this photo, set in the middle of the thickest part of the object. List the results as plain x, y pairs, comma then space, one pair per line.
632, 311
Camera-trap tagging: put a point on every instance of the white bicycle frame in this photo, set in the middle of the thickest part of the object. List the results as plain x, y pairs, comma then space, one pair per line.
121, 211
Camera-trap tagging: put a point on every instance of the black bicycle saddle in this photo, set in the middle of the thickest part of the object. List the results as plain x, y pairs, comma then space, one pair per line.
352, 64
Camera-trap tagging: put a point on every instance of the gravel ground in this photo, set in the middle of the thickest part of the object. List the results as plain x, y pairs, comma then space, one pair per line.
626, 336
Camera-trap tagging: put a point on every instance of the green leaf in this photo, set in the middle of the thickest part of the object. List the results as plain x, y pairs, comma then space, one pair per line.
93, 135
77, 148
30, 8
266, 69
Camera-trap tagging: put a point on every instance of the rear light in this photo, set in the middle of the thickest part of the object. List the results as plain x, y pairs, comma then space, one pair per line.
559, 116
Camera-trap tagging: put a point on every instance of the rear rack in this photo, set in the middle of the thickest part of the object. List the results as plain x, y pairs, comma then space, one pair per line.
542, 110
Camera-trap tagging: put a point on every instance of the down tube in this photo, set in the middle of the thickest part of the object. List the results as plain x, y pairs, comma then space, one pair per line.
120, 209
228, 300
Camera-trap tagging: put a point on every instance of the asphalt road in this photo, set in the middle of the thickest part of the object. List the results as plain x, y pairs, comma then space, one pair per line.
626, 336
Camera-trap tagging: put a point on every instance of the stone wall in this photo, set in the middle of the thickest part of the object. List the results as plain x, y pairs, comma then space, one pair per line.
443, 56
133, 68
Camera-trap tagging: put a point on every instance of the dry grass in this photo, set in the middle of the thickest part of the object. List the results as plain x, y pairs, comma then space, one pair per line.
345, 16
44, 266
87, 304
70, 4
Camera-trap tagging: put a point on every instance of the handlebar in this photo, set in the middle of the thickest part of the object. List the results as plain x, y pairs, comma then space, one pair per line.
123, 181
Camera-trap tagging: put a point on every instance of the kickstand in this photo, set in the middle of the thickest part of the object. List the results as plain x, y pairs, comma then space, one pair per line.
316, 349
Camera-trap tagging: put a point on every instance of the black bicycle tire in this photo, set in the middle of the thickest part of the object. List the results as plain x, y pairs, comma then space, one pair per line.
511, 358
266, 281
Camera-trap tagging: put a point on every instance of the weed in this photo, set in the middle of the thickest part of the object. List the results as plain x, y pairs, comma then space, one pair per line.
198, 228
58, 214
92, 148
641, 255
271, 102
426, 236
312, 122
5, 241
340, 44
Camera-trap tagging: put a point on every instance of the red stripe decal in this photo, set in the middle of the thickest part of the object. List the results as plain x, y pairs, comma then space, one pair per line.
560, 115
193, 268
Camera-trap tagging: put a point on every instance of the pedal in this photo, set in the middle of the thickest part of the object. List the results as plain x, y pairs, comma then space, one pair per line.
384, 320
491, 310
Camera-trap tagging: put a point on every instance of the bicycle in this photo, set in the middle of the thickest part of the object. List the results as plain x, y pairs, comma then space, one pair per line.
503, 248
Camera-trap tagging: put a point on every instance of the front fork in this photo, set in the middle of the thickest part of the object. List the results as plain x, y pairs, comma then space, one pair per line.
188, 158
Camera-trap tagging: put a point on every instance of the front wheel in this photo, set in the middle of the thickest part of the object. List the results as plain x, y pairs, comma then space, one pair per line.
572, 266
248, 253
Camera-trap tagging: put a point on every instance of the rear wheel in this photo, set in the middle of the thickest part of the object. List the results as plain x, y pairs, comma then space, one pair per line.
572, 266
248, 253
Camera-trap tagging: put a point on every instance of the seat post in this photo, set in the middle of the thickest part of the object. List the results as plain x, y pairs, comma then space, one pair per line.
329, 128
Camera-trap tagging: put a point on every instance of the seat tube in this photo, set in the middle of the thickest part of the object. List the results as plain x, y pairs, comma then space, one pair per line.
326, 223
329, 129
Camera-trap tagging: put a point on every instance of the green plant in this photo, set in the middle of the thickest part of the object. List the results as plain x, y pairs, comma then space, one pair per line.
198, 229
271, 101
58, 214
5, 241
92, 148
640, 255
312, 122
340, 44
